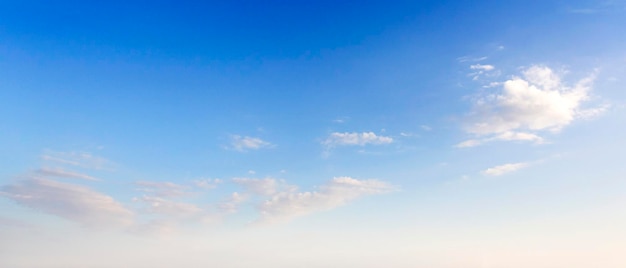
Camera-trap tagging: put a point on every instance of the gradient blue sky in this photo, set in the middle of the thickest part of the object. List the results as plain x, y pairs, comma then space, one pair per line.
312, 134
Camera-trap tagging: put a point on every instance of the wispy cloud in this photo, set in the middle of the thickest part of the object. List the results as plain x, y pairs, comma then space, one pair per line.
504, 169
169, 208
505, 136
232, 203
286, 205
207, 183
162, 189
482, 67
245, 143
537, 101
480, 70
70, 201
79, 159
341, 119
470, 59
599, 7
62, 173
266, 187
354, 138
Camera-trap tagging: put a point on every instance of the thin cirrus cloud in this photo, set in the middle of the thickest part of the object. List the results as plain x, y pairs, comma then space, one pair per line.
62, 173
70, 201
78, 159
504, 169
285, 202
538, 101
482, 70
355, 138
169, 208
265, 187
206, 183
505, 136
246, 143
162, 189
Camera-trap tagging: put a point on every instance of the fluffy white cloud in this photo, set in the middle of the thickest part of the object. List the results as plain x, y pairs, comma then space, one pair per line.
503, 169
70, 201
245, 143
286, 205
538, 101
62, 173
353, 138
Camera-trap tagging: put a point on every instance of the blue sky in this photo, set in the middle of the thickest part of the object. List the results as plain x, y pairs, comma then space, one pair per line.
312, 134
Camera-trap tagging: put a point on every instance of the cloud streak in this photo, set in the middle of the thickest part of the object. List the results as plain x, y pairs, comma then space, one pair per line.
504, 169
62, 173
162, 189
79, 159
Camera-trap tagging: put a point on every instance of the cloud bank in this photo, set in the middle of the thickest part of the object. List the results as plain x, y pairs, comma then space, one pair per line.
70, 201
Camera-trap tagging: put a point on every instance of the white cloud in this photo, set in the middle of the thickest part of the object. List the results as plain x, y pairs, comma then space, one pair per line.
594, 112
538, 101
493, 84
483, 70
506, 136
503, 169
469, 143
482, 67
361, 139
62, 173
162, 206
231, 204
207, 183
518, 136
471, 59
341, 120
79, 159
286, 205
245, 143
162, 189
70, 201
267, 186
